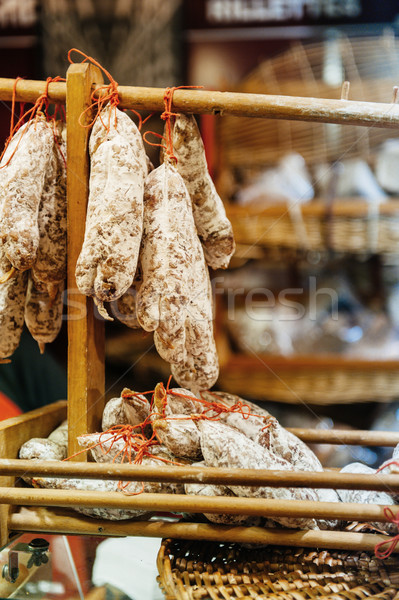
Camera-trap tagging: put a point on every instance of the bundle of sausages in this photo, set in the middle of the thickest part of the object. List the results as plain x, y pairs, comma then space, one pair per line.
32, 233
149, 238
215, 430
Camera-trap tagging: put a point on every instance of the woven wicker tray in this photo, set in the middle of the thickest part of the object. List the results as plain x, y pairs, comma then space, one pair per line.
313, 379
348, 226
201, 570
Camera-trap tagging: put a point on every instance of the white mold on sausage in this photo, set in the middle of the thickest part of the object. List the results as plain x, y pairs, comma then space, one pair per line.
225, 447
21, 186
50, 265
214, 228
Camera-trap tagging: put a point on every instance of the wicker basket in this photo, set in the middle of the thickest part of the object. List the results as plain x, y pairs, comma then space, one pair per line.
348, 227
201, 570
313, 379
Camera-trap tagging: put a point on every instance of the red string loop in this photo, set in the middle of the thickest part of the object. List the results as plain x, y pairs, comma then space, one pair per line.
33, 113
167, 116
392, 542
106, 94
387, 464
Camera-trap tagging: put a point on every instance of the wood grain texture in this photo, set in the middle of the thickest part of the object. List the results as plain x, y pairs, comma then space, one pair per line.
318, 110
17, 430
85, 329
43, 520
233, 505
28, 90
356, 437
211, 475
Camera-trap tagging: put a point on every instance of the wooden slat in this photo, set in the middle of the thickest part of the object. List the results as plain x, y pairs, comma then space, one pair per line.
85, 331
17, 430
355, 437
252, 477
183, 503
58, 521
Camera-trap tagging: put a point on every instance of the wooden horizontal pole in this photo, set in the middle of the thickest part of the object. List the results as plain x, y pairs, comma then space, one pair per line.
43, 520
319, 110
355, 437
265, 106
253, 477
28, 90
195, 504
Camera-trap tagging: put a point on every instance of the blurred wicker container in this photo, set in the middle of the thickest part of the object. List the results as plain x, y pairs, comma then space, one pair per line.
247, 146
312, 379
195, 570
348, 226
316, 70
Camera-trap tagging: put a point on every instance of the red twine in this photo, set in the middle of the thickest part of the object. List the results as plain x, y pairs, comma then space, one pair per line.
101, 95
41, 105
138, 445
167, 116
387, 464
391, 541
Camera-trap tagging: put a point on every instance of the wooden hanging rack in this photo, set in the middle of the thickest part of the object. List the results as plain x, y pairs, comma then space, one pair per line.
318, 110
86, 354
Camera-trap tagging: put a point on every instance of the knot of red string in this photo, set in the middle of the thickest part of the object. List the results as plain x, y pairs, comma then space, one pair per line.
100, 96
106, 94
168, 116
391, 542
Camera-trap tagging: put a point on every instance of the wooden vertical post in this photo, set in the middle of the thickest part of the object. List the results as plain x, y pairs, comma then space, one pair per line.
86, 381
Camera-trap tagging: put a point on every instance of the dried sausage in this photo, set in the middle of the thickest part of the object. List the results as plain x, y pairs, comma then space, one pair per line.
43, 314
130, 408
180, 435
165, 261
214, 228
21, 184
12, 306
124, 308
108, 259
50, 265
367, 496
225, 447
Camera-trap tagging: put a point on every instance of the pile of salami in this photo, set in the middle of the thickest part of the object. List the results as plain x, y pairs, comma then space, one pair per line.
32, 233
150, 236
214, 430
